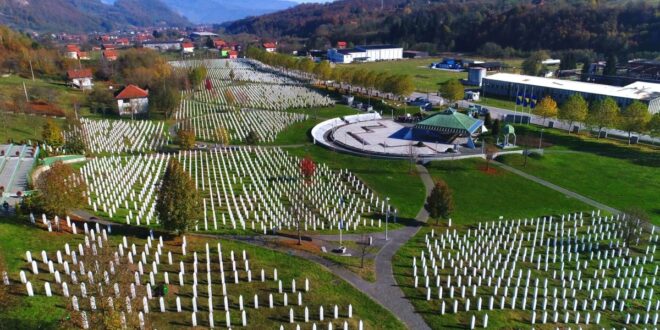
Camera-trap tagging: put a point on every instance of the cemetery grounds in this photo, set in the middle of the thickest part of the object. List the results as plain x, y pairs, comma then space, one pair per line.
249, 190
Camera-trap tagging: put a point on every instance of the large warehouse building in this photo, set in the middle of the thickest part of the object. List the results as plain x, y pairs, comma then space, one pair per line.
365, 54
509, 85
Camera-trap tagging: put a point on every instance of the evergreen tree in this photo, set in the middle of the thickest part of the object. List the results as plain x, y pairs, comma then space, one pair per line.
532, 65
60, 190
178, 202
610, 66
440, 202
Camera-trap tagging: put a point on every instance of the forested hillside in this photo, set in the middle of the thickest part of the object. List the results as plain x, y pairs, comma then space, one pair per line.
604, 26
85, 15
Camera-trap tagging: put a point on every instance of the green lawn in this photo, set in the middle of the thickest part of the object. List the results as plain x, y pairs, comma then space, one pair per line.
388, 178
426, 79
608, 171
20, 127
499, 103
63, 95
481, 196
17, 236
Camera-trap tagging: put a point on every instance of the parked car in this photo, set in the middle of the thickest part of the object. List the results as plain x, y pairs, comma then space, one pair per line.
419, 102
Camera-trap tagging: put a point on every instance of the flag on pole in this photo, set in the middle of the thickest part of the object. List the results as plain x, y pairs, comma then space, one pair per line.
533, 101
519, 98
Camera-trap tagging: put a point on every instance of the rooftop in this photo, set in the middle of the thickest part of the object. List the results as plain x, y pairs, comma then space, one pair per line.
76, 74
374, 47
132, 92
450, 121
637, 90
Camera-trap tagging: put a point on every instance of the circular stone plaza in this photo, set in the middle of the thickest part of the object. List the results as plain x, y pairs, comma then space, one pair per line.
445, 134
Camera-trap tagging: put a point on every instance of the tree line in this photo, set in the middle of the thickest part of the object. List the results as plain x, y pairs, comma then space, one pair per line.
601, 114
397, 84
437, 26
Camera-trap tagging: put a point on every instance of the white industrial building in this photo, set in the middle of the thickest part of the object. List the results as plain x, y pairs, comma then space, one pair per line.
510, 85
371, 53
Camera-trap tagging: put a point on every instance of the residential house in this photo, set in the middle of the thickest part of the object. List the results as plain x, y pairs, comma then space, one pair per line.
341, 44
110, 55
132, 100
233, 55
270, 47
72, 51
187, 47
80, 78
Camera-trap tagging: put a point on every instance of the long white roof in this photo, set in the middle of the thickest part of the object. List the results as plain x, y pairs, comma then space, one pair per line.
638, 90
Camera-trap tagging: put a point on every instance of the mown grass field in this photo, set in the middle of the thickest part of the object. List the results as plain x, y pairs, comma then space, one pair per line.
23, 127
425, 78
608, 171
485, 196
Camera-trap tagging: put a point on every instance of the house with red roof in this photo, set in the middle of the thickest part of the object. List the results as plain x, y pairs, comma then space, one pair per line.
187, 47
219, 43
341, 44
232, 55
80, 78
83, 56
72, 51
122, 42
270, 47
110, 55
132, 100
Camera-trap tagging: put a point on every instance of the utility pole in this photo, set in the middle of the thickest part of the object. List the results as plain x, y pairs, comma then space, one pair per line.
31, 70
27, 99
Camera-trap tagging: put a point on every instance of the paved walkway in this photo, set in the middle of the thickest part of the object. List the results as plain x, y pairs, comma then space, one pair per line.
553, 186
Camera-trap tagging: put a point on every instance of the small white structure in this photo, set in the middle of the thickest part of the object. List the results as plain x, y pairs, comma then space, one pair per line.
81, 79
472, 96
132, 100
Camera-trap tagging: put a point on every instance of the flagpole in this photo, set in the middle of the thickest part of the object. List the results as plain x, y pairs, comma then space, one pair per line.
515, 108
523, 102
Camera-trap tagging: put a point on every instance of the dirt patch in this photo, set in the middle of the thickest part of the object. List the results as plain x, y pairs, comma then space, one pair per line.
293, 244
490, 170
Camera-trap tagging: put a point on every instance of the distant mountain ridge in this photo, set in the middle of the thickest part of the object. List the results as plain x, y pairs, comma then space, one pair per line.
445, 25
86, 15
220, 11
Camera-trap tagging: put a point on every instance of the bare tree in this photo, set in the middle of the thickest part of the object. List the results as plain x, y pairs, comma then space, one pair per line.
633, 221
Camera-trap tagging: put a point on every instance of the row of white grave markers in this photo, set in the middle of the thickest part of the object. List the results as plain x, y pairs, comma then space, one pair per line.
572, 269
267, 124
119, 136
261, 96
100, 275
243, 188
244, 70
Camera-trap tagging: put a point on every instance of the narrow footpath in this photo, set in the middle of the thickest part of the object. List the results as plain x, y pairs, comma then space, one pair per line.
555, 187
